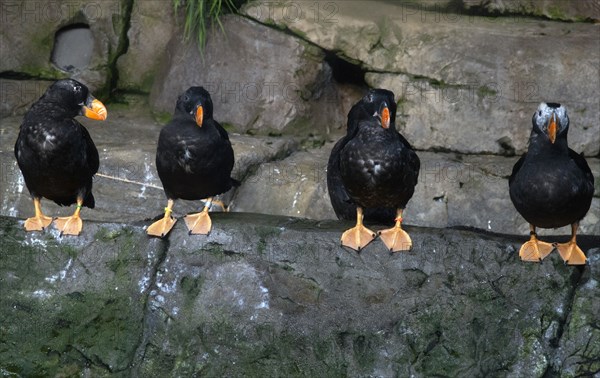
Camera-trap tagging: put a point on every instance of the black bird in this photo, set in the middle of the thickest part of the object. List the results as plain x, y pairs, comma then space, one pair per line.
551, 185
57, 155
378, 167
343, 206
194, 160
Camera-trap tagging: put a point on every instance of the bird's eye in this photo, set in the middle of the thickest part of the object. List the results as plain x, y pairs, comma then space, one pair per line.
186, 98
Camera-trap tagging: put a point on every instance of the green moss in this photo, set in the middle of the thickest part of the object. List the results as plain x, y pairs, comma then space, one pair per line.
261, 246
104, 234
229, 127
485, 91
298, 32
483, 294
191, 286
264, 233
556, 13
222, 348
312, 142
162, 117
364, 349
64, 335
146, 82
43, 73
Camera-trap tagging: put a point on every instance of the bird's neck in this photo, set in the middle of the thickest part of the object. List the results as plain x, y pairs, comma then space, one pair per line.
52, 110
539, 145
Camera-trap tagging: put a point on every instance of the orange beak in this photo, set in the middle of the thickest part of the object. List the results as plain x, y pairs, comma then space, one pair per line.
96, 110
199, 115
385, 118
552, 129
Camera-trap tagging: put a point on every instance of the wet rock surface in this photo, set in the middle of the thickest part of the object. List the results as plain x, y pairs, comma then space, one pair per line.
278, 296
278, 178
127, 180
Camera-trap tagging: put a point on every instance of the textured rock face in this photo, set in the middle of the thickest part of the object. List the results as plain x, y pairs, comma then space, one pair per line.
554, 9
153, 23
464, 83
295, 186
17, 96
127, 182
27, 36
453, 190
278, 296
277, 179
259, 78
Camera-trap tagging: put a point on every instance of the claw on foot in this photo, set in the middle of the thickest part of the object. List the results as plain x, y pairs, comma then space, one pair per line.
199, 223
535, 250
162, 227
38, 222
358, 236
570, 251
395, 238
71, 225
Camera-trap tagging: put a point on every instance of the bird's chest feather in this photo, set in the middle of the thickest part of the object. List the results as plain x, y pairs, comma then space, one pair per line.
197, 155
371, 160
55, 146
553, 181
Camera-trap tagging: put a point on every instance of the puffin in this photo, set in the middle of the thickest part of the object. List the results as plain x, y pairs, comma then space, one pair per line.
56, 154
378, 169
343, 207
551, 185
194, 160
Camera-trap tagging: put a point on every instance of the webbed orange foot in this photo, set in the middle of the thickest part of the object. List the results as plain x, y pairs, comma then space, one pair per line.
358, 237
535, 250
571, 253
69, 225
396, 239
37, 223
161, 227
199, 223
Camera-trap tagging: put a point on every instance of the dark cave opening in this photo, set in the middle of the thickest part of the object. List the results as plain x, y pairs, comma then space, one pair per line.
345, 72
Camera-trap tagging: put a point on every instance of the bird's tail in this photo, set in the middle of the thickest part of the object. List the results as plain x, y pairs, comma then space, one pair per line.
89, 201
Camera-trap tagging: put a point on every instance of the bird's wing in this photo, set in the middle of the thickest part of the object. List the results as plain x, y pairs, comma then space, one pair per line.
334, 175
516, 168
90, 150
221, 130
404, 141
582, 164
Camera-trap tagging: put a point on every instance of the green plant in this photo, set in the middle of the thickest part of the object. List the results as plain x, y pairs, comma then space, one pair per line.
199, 13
